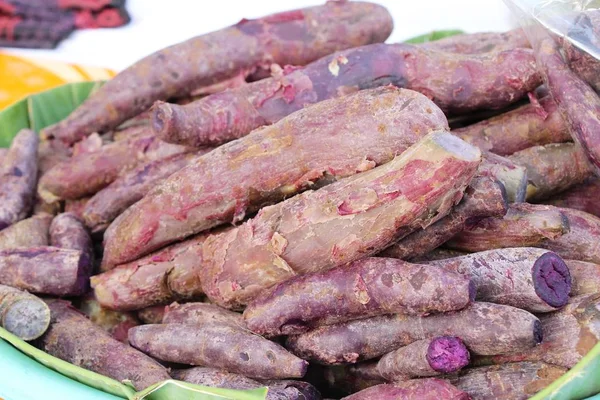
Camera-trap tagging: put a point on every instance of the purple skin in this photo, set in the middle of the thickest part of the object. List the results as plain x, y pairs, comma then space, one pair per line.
447, 354
68, 232
552, 280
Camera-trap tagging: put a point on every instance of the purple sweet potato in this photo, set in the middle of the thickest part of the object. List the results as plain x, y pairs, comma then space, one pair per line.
532, 279
51, 153
511, 175
75, 339
152, 314
422, 389
552, 168
583, 197
23, 314
569, 334
585, 277
88, 173
218, 346
373, 209
200, 313
330, 140
582, 63
30, 232
114, 322
130, 187
577, 101
534, 124
485, 328
523, 225
456, 83
367, 287
76, 206
68, 232
425, 358
294, 37
18, 177
582, 242
481, 42
159, 278
46, 270
484, 197
518, 381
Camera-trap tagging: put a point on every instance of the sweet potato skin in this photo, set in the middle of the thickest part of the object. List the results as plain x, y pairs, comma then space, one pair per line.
484, 197
585, 277
367, 287
583, 197
30, 232
68, 232
374, 208
582, 242
294, 37
532, 279
18, 177
75, 339
130, 187
425, 389
456, 83
553, 168
23, 314
535, 124
46, 270
481, 42
517, 381
273, 163
201, 313
237, 350
87, 173
523, 225
485, 328
157, 279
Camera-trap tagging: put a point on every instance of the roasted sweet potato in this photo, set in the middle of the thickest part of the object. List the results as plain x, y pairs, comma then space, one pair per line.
23, 314
422, 389
481, 42
510, 174
201, 313
583, 197
68, 232
30, 232
585, 277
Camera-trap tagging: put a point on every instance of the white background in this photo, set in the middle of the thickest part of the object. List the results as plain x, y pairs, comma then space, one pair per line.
159, 23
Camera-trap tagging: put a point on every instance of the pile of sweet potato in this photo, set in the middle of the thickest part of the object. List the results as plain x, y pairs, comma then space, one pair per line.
320, 228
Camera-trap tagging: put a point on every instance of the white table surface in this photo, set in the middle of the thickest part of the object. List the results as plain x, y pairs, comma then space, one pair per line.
158, 23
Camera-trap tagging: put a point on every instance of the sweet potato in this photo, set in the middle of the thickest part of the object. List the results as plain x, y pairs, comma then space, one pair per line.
511, 175
582, 242
523, 225
200, 313
485, 328
86, 174
481, 42
30, 232
293, 37
518, 381
75, 339
552, 168
278, 390
424, 358
585, 277
218, 346
23, 314
76, 206
331, 140
159, 278
438, 254
130, 187
583, 197
532, 279
373, 209
534, 124
456, 83
18, 177
585, 65
68, 232
152, 314
569, 334
46, 270
422, 389
114, 322
367, 287
51, 153
484, 197
577, 101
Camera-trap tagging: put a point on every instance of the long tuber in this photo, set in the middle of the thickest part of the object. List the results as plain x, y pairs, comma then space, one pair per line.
481, 42
30, 232
200, 313
512, 176
68, 232
582, 197
422, 389
23, 314
585, 277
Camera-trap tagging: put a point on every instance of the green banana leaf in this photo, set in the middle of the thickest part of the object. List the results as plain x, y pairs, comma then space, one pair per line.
433, 36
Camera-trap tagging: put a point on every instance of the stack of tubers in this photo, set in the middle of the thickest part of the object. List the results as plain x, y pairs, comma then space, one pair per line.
321, 229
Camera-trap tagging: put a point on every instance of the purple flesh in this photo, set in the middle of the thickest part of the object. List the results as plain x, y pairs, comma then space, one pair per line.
551, 279
447, 354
